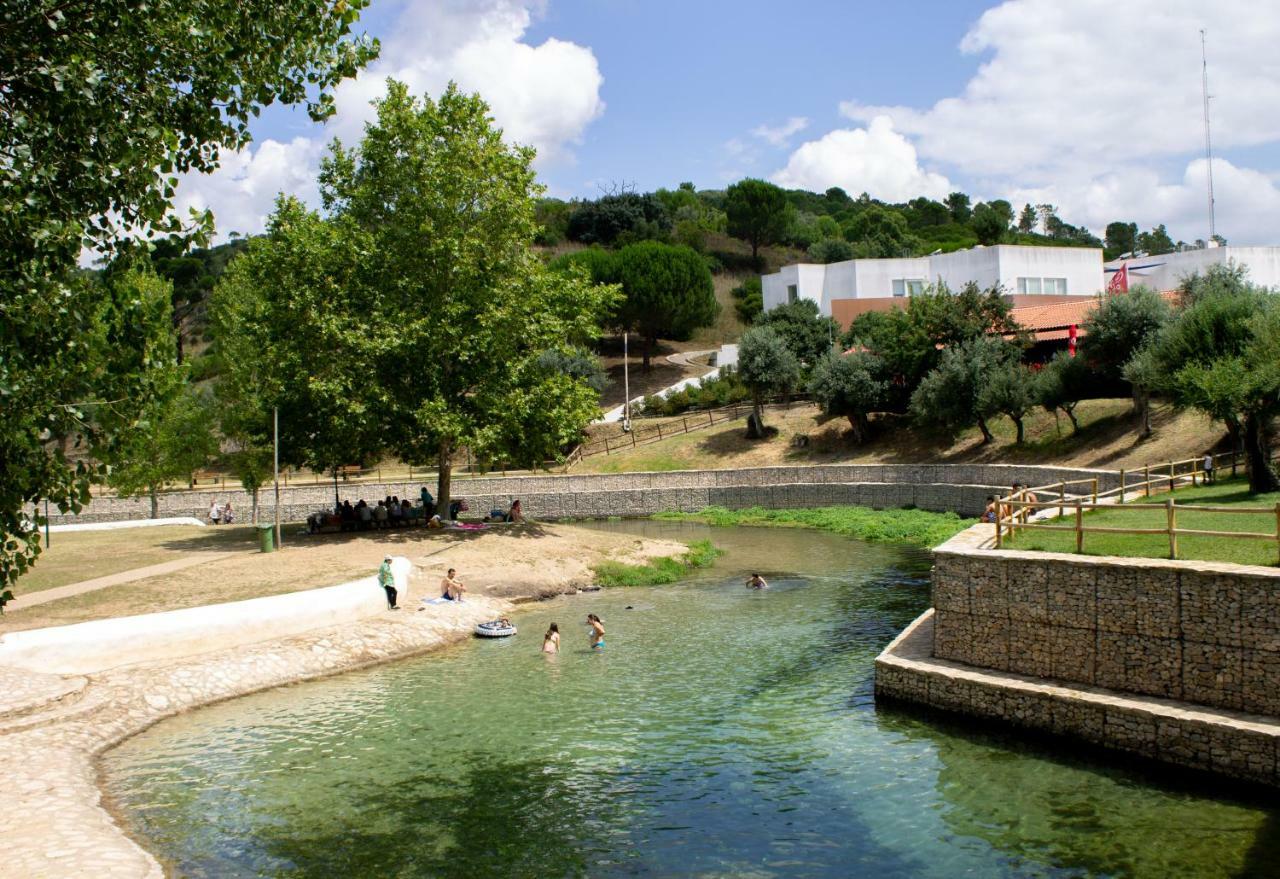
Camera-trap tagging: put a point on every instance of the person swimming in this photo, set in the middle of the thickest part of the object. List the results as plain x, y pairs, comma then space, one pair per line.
551, 640
757, 582
597, 631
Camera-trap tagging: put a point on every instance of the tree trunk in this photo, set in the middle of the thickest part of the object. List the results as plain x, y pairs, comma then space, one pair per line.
1075, 425
755, 253
254, 516
1142, 409
155, 504
859, 424
1017, 422
1261, 477
986, 432
337, 504
649, 342
444, 478
755, 424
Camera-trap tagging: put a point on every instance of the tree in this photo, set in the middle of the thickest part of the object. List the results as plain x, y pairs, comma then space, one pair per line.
879, 232
1027, 220
988, 224
1009, 390
850, 386
807, 334
105, 103
758, 213
765, 365
949, 396
1156, 242
173, 439
830, 250
1221, 355
748, 299
667, 292
958, 205
620, 217
1120, 238
1062, 384
1116, 330
442, 312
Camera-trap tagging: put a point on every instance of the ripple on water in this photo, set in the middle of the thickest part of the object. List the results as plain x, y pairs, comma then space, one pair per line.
723, 732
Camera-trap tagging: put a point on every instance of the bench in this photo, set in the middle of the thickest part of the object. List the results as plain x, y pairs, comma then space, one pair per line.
346, 471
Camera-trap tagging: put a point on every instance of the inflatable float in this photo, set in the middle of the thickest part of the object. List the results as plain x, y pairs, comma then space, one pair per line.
495, 629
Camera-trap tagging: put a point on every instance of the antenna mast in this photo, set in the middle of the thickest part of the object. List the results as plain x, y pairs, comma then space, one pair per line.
1208, 144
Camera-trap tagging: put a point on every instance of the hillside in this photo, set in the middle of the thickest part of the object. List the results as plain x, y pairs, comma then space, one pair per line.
1106, 439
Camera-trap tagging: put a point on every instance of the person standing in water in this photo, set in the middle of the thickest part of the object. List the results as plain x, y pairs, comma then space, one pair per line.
757, 582
597, 631
551, 640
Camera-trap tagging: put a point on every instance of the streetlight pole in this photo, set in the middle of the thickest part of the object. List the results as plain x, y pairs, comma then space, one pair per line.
626, 384
275, 442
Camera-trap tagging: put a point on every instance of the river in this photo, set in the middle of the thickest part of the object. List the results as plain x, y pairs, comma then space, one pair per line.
722, 732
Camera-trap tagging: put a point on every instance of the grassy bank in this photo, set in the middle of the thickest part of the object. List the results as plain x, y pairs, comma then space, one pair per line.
1226, 493
659, 571
917, 527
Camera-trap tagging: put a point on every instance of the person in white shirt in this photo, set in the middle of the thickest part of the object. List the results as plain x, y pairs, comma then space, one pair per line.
215, 513
1209, 475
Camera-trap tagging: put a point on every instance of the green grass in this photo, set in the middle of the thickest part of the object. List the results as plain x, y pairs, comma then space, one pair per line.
659, 571
917, 527
1227, 493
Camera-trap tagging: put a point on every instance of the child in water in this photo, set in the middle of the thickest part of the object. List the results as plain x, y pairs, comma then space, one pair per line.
551, 640
757, 582
597, 631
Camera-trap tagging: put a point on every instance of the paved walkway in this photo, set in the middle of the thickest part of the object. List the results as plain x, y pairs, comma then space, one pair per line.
44, 596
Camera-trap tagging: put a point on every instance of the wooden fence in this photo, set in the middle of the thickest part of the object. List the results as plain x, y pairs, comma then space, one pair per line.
1013, 511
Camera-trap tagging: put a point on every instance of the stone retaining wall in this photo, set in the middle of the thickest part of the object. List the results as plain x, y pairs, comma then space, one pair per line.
1225, 742
958, 487
1194, 631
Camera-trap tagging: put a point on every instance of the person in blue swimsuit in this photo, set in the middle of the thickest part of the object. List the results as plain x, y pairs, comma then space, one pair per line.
597, 631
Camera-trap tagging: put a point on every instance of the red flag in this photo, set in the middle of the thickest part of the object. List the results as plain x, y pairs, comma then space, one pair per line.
1119, 280
1071, 340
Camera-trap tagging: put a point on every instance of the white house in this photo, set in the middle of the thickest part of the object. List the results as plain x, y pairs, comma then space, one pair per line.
1057, 271
1166, 272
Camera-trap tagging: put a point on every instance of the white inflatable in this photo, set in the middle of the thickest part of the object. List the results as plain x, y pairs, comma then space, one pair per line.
495, 629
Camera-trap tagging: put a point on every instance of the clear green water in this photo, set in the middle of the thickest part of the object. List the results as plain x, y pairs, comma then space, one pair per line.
723, 733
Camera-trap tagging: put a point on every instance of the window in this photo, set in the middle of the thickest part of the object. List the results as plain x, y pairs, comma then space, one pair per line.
792, 293
1042, 285
908, 286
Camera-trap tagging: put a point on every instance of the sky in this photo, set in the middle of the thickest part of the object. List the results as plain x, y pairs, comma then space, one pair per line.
1090, 105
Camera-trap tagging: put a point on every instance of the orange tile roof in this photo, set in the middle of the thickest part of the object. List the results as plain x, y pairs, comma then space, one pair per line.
1055, 316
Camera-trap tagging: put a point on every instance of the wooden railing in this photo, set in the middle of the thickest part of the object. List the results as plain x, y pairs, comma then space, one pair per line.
1013, 512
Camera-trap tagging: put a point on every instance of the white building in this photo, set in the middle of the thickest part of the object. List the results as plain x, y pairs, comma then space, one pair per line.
1167, 271
1016, 268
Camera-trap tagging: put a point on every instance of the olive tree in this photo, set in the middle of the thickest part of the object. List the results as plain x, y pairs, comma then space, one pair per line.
765, 365
851, 386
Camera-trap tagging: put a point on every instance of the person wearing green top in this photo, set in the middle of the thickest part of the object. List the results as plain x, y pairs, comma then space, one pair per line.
387, 581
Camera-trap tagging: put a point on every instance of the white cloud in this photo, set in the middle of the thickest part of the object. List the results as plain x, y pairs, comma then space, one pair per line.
876, 160
780, 135
542, 95
1077, 102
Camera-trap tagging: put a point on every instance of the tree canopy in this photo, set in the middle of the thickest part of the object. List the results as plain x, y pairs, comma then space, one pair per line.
765, 365
757, 212
105, 104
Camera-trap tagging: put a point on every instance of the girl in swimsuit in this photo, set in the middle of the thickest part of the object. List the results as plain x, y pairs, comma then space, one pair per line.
597, 631
551, 640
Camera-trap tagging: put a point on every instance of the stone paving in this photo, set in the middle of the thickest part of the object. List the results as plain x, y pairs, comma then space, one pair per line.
52, 728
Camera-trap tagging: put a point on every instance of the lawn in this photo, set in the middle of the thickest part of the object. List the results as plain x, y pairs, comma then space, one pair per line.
75, 556
1227, 493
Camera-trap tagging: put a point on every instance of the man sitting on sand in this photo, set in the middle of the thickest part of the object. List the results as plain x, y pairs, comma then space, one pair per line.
451, 587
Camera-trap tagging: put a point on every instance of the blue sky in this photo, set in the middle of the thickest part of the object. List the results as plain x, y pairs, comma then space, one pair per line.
1086, 104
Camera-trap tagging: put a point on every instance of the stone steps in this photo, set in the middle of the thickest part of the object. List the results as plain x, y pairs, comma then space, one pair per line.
23, 693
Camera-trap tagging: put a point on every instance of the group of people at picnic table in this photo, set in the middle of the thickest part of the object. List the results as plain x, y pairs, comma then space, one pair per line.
396, 512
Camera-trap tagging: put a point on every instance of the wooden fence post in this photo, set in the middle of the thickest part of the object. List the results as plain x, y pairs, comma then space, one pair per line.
1000, 515
1278, 528
1146, 479
1079, 527
1122, 485
1062, 497
1172, 512
1172, 486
